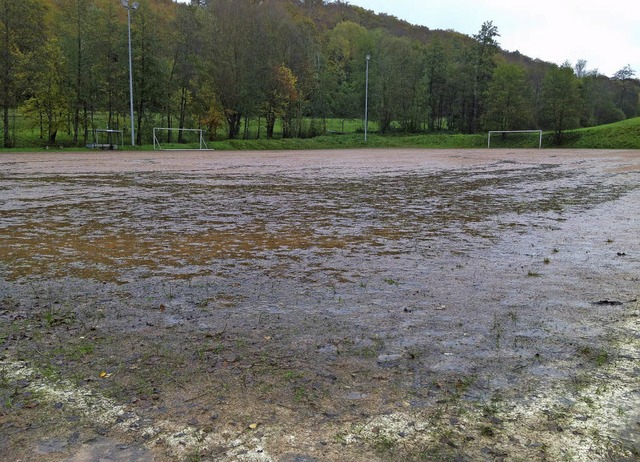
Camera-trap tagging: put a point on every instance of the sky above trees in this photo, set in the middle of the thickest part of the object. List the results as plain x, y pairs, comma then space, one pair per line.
606, 34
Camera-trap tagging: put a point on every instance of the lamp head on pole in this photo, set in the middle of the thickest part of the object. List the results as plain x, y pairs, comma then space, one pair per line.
368, 56
133, 6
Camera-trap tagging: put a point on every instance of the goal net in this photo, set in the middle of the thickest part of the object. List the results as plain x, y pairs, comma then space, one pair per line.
168, 139
520, 138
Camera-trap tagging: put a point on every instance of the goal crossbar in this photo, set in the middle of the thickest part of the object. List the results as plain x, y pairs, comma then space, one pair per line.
197, 135
491, 132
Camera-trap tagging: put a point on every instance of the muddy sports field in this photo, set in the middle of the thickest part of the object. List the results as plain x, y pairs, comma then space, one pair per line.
367, 305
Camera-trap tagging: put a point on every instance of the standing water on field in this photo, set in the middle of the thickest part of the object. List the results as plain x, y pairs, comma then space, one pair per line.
360, 305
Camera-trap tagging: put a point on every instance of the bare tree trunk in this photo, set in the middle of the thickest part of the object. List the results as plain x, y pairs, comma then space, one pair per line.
234, 119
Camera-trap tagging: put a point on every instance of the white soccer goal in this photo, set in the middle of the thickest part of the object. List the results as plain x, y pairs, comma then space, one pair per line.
176, 139
515, 131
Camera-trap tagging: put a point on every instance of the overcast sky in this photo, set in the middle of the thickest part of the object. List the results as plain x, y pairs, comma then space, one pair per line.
605, 33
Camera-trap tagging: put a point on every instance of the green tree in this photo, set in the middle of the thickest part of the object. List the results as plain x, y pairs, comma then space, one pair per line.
346, 47
560, 100
50, 96
412, 106
281, 94
397, 69
319, 103
233, 36
599, 95
628, 90
483, 63
300, 48
508, 99
184, 63
22, 32
109, 87
436, 85
460, 86
149, 69
74, 33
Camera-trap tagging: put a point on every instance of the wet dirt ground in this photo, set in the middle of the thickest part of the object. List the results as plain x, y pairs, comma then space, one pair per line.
320, 306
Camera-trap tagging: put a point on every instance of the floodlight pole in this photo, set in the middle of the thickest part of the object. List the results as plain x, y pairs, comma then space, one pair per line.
133, 6
366, 100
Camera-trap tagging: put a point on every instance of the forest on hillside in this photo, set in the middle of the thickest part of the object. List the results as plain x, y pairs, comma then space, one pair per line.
290, 64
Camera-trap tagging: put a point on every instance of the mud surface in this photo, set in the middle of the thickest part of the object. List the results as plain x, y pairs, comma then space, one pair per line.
320, 306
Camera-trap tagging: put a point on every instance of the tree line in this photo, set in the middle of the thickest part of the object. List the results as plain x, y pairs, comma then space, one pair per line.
291, 64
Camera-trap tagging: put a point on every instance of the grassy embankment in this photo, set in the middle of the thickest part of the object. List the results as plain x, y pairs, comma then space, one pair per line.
620, 135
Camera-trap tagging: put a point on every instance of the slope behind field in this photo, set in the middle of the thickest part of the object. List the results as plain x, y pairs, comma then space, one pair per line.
619, 135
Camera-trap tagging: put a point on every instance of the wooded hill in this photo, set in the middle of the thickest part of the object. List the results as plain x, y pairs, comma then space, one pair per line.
289, 64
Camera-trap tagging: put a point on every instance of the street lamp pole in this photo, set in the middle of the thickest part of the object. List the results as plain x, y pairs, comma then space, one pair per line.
133, 6
366, 100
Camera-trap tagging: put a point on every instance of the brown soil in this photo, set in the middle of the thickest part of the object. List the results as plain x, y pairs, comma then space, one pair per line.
320, 306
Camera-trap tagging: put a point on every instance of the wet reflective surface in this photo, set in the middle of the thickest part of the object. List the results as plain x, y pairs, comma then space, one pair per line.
382, 278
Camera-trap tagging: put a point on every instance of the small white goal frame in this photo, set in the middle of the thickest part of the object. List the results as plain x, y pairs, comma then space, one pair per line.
157, 146
514, 131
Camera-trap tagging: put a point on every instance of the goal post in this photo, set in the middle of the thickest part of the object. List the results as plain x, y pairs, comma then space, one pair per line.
491, 132
176, 139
